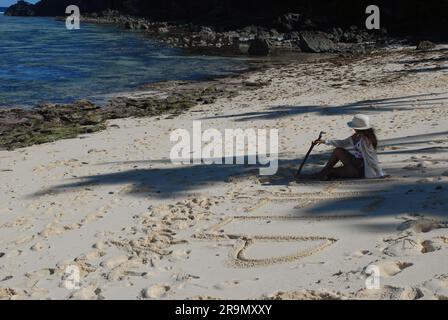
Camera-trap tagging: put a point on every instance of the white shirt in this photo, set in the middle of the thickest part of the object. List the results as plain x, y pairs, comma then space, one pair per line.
357, 150
371, 164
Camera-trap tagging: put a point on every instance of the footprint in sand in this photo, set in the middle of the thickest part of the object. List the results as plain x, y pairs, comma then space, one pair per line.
226, 284
409, 247
40, 273
389, 293
95, 216
88, 293
403, 248
441, 239
437, 287
13, 253
392, 268
181, 277
361, 253
422, 225
114, 262
80, 262
51, 229
24, 239
39, 246
21, 221
11, 293
93, 255
304, 295
156, 291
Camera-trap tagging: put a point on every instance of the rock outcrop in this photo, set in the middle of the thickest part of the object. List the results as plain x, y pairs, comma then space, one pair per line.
260, 47
425, 45
21, 8
316, 42
50, 122
400, 17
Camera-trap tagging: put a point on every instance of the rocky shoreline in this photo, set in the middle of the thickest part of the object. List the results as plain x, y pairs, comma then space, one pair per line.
251, 40
49, 122
290, 31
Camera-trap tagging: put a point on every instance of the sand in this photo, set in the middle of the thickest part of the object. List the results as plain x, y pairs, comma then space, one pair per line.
112, 207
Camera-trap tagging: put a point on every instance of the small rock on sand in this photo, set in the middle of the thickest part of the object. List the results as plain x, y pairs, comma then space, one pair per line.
425, 45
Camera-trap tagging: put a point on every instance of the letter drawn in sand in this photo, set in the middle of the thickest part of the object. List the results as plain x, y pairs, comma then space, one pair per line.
241, 255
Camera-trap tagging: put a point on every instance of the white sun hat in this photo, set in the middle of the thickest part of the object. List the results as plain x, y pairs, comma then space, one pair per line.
360, 122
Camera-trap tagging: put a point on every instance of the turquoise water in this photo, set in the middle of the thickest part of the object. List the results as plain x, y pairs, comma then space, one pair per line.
42, 61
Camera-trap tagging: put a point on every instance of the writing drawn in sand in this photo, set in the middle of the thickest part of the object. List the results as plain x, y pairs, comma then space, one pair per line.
250, 250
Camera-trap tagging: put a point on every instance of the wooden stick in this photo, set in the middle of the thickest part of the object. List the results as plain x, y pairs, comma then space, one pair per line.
309, 152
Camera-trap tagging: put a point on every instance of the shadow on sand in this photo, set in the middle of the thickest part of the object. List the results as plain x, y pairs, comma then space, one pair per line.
363, 106
407, 196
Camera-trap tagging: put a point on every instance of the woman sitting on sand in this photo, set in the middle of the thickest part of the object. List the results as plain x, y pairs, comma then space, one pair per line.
361, 161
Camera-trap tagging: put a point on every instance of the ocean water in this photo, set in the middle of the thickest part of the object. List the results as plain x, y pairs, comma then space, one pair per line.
42, 61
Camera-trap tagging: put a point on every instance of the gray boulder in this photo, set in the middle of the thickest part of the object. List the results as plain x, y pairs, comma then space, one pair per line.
315, 41
425, 45
260, 47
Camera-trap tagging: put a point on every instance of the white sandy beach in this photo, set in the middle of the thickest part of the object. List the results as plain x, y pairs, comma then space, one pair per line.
138, 227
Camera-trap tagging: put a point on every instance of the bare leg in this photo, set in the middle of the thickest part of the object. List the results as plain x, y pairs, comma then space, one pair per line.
344, 172
348, 170
339, 154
